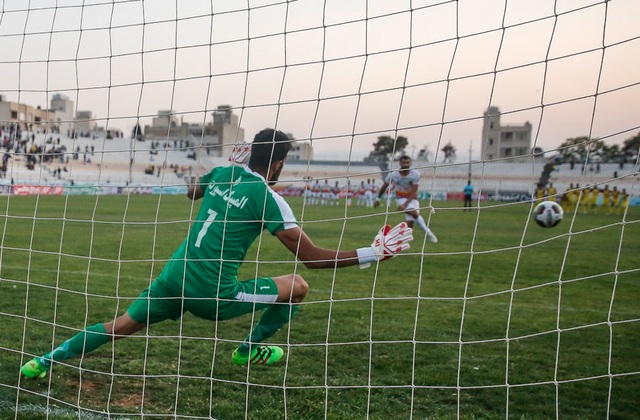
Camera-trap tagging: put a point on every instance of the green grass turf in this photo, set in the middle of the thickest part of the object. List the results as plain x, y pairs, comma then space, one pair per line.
500, 319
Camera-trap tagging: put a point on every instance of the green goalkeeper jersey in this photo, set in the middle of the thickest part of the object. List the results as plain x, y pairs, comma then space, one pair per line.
237, 206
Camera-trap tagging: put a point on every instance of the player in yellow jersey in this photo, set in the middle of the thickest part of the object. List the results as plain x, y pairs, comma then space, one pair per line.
615, 199
583, 199
606, 198
552, 192
594, 194
539, 193
568, 200
624, 200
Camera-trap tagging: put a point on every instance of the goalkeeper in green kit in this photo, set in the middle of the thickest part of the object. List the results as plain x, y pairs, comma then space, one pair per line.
201, 276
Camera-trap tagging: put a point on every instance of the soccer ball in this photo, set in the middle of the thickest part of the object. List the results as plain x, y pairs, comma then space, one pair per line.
548, 214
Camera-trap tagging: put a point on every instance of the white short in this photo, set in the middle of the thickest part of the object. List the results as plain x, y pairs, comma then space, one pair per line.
412, 205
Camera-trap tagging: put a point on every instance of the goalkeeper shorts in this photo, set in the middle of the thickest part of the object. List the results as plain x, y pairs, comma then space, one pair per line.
157, 303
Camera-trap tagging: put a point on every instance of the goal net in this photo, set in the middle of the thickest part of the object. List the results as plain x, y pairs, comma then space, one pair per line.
109, 110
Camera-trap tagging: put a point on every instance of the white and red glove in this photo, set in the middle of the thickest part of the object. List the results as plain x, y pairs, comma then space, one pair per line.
387, 244
240, 153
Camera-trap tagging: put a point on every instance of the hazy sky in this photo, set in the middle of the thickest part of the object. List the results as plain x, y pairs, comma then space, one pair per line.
340, 72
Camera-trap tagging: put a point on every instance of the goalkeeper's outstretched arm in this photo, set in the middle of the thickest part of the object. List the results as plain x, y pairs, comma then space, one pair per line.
388, 243
195, 192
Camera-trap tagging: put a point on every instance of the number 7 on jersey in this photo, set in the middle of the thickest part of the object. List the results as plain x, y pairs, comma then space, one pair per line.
205, 226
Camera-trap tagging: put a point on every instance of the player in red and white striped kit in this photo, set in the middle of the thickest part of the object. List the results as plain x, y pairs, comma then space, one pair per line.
405, 182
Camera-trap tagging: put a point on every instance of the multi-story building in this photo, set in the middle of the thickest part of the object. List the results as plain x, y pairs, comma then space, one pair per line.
28, 117
85, 123
216, 138
164, 123
226, 129
64, 109
301, 150
166, 126
511, 142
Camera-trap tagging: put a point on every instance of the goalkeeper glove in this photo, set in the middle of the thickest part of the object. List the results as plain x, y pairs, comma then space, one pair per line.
387, 243
240, 153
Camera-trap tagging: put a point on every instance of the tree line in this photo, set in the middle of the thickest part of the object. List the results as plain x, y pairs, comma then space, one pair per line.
388, 148
581, 149
578, 149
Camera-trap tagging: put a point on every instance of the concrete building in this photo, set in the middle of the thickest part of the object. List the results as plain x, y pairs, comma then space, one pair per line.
216, 139
84, 122
64, 109
166, 126
512, 142
227, 130
28, 117
165, 122
301, 150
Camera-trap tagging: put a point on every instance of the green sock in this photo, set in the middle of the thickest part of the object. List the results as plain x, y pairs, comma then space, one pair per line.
81, 343
273, 318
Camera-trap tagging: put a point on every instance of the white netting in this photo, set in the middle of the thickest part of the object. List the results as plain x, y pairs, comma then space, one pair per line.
500, 318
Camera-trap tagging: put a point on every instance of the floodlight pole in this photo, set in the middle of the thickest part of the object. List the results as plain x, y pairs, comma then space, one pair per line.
469, 174
130, 161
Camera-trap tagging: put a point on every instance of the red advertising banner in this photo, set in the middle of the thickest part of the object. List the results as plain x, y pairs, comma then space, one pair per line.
25, 189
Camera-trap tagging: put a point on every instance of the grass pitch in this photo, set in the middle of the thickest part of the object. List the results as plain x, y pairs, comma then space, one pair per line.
500, 319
